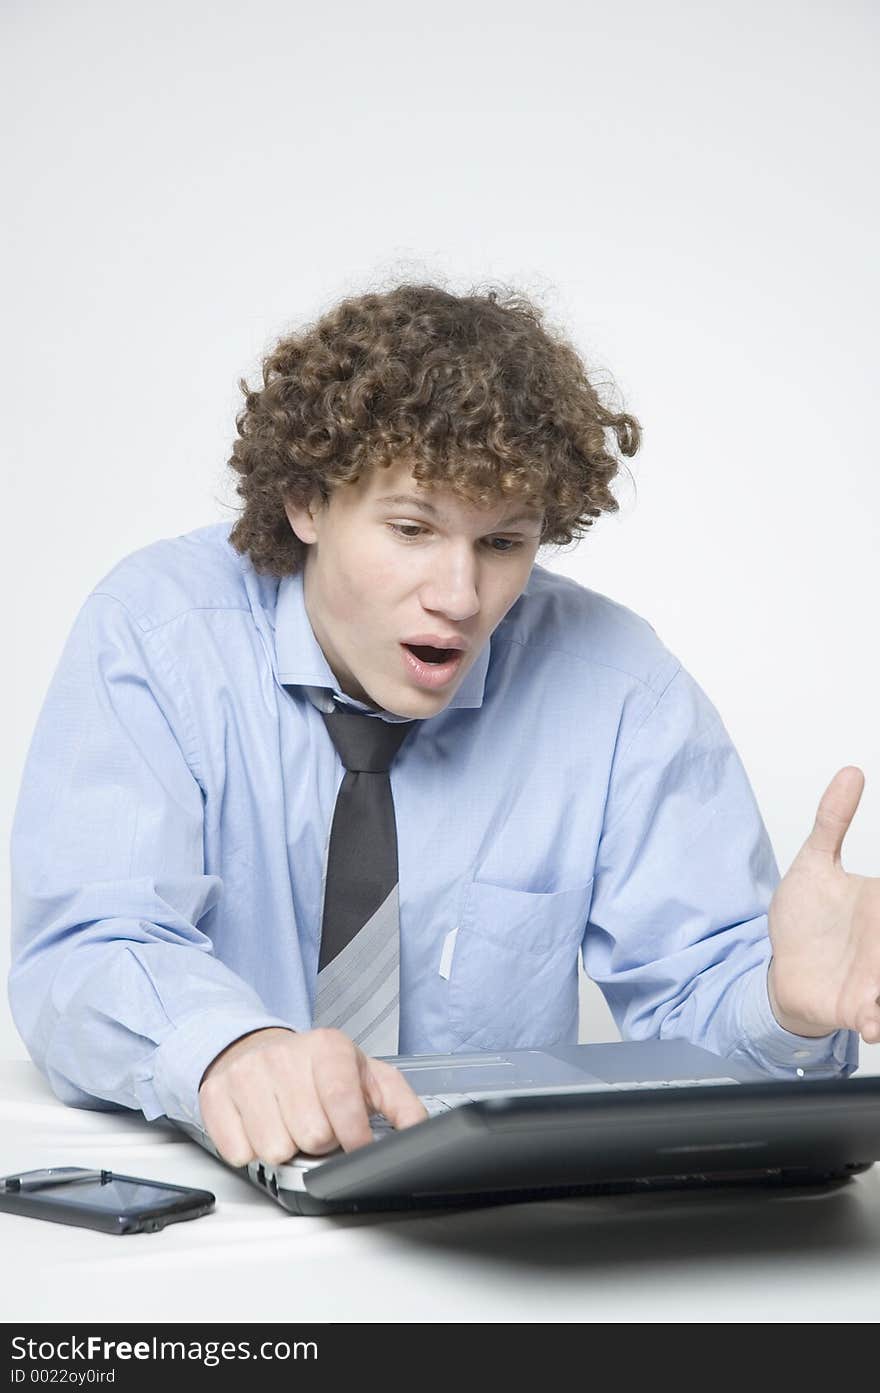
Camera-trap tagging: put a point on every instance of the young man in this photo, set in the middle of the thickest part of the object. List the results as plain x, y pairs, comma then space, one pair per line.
222, 908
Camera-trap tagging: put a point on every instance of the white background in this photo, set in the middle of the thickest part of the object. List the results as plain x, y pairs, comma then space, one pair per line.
689, 192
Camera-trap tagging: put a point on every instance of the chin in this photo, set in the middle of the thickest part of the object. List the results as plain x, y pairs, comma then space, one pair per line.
416, 705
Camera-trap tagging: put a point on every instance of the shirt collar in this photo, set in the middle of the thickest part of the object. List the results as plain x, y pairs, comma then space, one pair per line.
300, 661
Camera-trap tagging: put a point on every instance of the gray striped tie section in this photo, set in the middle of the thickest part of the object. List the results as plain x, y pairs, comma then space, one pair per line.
358, 987
359, 991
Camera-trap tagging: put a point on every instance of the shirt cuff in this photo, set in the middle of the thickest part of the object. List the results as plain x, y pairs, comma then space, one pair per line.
171, 1088
803, 1056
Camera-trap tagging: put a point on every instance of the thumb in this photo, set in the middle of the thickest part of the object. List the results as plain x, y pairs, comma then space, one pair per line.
837, 808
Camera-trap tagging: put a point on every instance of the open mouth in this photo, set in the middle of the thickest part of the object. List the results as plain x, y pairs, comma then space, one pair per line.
431, 655
431, 668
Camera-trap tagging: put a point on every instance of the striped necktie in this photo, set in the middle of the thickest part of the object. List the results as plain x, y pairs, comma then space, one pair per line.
358, 988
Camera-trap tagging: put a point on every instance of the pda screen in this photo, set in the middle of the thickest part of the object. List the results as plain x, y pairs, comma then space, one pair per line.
116, 1196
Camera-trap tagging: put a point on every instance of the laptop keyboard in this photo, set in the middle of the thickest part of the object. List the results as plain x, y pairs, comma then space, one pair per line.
437, 1103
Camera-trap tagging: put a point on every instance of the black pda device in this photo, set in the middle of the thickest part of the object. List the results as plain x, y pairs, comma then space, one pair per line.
100, 1199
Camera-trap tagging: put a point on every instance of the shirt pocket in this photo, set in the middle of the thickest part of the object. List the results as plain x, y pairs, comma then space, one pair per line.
513, 981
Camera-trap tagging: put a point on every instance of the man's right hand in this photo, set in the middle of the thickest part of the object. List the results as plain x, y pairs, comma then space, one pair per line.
275, 1092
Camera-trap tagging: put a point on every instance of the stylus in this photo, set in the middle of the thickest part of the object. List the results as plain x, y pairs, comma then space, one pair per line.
42, 1180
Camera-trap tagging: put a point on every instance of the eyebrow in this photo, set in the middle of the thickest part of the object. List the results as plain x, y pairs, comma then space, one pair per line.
412, 500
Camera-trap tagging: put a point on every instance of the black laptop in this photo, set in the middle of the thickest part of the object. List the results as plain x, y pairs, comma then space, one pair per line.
587, 1119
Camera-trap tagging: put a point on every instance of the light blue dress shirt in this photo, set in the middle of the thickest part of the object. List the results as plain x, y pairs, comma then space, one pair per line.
169, 842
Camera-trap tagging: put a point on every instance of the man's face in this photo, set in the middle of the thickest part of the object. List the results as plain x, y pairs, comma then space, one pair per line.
392, 563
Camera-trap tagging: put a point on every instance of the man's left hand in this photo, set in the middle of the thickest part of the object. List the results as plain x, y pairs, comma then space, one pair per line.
825, 929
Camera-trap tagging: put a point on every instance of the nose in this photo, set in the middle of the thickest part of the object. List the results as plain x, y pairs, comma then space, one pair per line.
452, 587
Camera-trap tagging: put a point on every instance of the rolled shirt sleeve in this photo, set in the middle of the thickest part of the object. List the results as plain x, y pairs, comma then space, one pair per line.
114, 986
677, 935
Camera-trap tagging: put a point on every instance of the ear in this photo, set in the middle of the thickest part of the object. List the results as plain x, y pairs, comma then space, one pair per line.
301, 517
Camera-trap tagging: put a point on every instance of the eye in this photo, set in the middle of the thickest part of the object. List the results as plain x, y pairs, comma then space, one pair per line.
409, 532
402, 528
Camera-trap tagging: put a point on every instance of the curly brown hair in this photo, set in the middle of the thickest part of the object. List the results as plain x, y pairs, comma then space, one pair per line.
474, 390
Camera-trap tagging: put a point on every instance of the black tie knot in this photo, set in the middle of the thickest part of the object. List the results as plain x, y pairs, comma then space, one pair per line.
365, 744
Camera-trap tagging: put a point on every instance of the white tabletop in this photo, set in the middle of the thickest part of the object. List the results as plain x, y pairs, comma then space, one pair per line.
768, 1256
